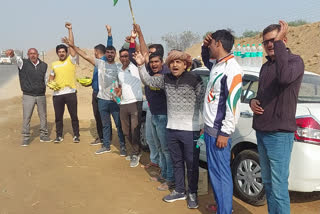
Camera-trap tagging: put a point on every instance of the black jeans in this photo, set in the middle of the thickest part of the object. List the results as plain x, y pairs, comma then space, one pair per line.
182, 147
59, 103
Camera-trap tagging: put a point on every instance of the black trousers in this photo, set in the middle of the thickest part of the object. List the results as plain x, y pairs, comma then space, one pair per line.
182, 147
59, 103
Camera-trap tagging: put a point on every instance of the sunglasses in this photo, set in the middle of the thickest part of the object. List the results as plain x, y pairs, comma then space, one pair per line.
266, 42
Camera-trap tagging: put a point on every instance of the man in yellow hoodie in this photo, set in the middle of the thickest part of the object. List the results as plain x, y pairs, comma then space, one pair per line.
63, 73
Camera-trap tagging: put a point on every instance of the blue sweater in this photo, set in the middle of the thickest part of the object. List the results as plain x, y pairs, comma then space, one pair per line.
95, 83
156, 96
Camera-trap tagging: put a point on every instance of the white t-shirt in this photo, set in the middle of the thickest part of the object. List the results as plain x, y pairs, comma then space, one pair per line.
107, 73
130, 82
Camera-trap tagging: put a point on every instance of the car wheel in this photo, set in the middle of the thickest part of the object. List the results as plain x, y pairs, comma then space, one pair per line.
247, 180
143, 139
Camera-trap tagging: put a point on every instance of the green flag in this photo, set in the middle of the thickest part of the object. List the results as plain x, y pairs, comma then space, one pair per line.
115, 2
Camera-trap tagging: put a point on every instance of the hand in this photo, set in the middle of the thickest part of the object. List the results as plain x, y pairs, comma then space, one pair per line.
127, 39
137, 28
207, 40
133, 34
118, 92
139, 58
201, 132
67, 41
283, 31
222, 141
68, 25
108, 27
255, 106
10, 53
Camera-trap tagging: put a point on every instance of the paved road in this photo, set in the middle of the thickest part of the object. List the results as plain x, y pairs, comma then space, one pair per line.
7, 72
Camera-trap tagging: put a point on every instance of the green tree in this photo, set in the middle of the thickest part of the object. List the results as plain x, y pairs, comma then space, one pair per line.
180, 41
298, 22
250, 33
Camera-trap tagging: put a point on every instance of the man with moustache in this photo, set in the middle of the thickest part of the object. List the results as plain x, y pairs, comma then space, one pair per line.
32, 76
63, 73
274, 114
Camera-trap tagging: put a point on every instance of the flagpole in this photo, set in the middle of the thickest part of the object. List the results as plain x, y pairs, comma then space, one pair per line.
134, 21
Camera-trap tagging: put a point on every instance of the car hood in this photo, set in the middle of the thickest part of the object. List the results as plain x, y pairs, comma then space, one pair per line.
309, 109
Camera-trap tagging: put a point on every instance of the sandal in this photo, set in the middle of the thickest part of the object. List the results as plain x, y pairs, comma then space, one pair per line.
211, 208
157, 178
149, 165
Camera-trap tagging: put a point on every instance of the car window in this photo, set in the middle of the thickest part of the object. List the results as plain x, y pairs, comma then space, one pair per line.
310, 89
249, 90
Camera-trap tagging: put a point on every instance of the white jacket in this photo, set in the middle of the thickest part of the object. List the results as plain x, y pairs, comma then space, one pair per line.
223, 94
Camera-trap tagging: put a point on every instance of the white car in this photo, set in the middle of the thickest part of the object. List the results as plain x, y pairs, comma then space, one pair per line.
4, 59
305, 158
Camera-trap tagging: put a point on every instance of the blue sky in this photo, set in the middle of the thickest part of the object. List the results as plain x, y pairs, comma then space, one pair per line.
40, 23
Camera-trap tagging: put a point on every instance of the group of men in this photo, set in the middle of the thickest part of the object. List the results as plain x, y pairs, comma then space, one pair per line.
181, 109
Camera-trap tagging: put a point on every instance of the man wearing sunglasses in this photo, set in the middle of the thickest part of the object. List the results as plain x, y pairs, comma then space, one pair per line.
274, 114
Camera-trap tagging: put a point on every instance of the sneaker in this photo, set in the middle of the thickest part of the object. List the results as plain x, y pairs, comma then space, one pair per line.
175, 196
58, 140
128, 158
45, 139
76, 139
123, 152
25, 142
96, 142
134, 162
103, 150
192, 201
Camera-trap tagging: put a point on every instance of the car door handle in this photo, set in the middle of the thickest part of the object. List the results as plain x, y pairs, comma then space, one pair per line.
246, 114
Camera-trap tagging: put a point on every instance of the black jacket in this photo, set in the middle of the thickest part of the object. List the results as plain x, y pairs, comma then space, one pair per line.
278, 90
32, 78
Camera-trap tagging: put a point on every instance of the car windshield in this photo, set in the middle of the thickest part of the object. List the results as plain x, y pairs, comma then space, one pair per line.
310, 89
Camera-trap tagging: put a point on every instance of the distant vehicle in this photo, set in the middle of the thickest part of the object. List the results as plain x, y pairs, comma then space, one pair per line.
4, 59
305, 157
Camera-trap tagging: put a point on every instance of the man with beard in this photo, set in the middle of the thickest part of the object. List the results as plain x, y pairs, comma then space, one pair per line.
107, 75
63, 73
95, 90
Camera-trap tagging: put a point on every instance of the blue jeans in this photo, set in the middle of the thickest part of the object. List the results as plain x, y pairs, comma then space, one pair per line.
154, 153
218, 160
159, 124
274, 154
107, 107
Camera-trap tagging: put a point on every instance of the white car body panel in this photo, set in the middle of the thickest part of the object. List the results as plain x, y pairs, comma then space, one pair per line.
305, 158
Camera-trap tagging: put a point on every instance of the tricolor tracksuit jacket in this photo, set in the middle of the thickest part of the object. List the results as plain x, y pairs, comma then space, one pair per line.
223, 93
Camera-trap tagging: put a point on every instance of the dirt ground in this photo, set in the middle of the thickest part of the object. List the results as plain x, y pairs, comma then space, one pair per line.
69, 178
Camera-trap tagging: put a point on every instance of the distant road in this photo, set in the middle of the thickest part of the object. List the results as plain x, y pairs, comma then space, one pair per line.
7, 72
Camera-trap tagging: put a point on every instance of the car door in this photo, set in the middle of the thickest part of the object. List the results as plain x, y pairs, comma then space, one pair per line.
249, 91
